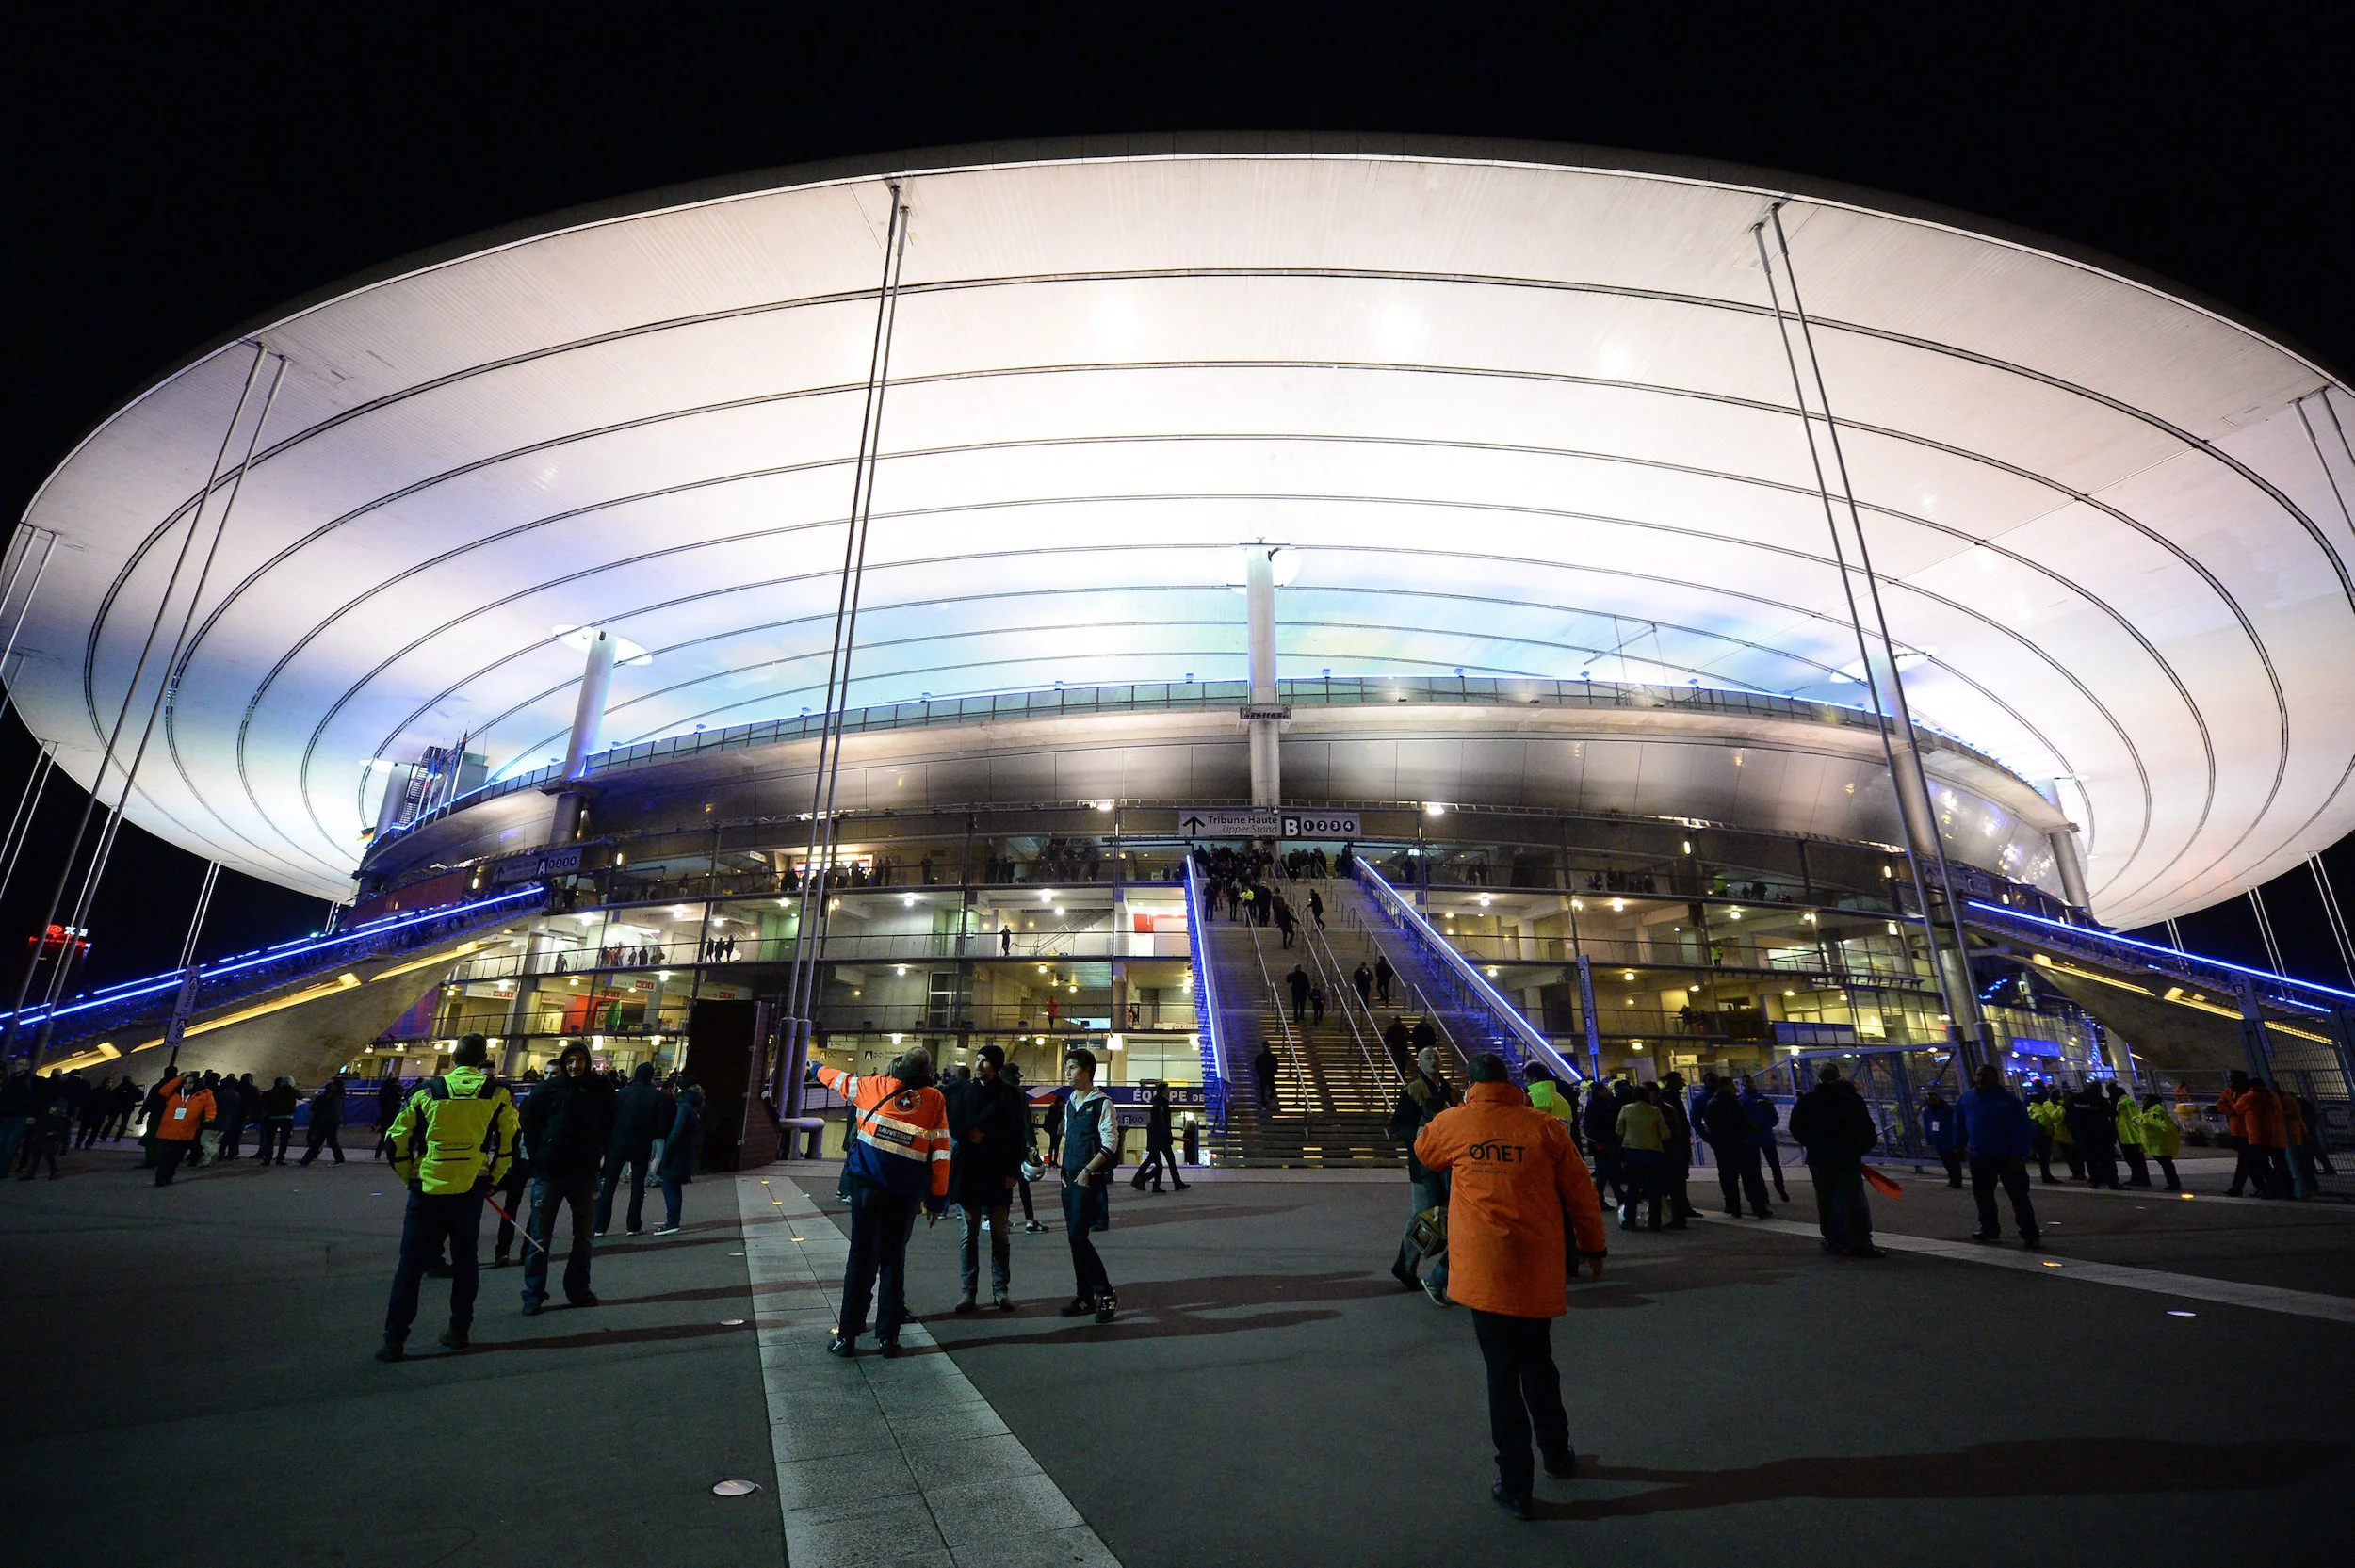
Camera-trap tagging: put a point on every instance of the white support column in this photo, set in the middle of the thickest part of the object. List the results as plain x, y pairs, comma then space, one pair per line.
1267, 782
596, 679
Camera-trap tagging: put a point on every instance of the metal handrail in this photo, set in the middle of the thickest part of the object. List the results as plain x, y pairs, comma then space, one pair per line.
1380, 1070
1283, 1018
1402, 914
1217, 1071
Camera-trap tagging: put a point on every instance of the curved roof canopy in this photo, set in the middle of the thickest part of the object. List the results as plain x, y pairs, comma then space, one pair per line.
1519, 410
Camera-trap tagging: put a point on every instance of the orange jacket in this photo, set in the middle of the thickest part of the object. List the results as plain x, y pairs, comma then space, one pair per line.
901, 1134
183, 1114
1515, 1176
2262, 1109
2294, 1134
2234, 1107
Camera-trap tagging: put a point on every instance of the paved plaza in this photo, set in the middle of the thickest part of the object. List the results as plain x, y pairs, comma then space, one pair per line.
191, 1383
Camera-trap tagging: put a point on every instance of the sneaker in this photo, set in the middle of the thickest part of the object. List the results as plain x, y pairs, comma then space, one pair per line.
964, 1306
1437, 1292
1563, 1466
1405, 1276
890, 1349
391, 1352
842, 1345
1985, 1235
600, 1235
586, 1299
1003, 1304
501, 1260
1078, 1307
531, 1309
666, 1229
454, 1339
1516, 1506
1107, 1307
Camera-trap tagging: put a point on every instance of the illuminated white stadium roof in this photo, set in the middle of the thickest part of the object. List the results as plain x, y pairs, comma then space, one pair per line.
1521, 410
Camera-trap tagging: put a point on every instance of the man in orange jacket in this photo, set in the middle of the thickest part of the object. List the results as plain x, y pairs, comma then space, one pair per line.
187, 1107
897, 1161
1518, 1198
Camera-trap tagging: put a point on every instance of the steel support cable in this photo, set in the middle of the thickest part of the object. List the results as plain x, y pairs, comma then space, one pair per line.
167, 692
2333, 914
25, 613
204, 907
2264, 931
2315, 442
27, 806
130, 690
807, 942
1957, 1003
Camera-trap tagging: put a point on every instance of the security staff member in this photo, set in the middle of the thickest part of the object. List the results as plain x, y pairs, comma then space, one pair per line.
451, 1143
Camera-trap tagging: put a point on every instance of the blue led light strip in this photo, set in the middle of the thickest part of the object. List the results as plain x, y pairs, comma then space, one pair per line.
1506, 1013
2010, 914
288, 950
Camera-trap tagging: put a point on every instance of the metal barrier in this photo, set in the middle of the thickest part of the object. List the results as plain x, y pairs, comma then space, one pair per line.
1510, 1032
1216, 1070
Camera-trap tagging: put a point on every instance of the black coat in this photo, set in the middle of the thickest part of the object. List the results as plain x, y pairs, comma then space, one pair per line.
686, 1135
1000, 1113
327, 1105
1725, 1123
641, 1113
565, 1124
1831, 1123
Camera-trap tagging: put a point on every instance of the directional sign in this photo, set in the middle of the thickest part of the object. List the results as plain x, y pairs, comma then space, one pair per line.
1229, 822
1320, 824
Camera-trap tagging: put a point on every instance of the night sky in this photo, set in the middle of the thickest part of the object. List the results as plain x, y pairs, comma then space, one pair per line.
175, 176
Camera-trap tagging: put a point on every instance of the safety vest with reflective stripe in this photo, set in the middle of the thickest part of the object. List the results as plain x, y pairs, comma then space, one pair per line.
899, 1136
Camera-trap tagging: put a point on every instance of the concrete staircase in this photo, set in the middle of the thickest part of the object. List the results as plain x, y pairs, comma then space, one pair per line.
1334, 1086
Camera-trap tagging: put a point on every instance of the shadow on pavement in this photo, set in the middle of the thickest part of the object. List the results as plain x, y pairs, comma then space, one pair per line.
2042, 1468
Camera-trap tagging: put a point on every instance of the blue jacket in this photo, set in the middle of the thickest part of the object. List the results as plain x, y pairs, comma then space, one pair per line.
1995, 1125
1763, 1117
1940, 1127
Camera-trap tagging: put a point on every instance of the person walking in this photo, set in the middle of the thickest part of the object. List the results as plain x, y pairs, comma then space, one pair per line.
2268, 1132
1090, 1148
1263, 1068
2247, 1164
1999, 1136
1944, 1134
326, 1128
2296, 1138
1298, 982
1725, 1123
92, 1106
2162, 1139
389, 1099
1160, 1155
989, 1125
641, 1113
1383, 975
2086, 1120
187, 1108
1362, 978
451, 1143
20, 1103
236, 1097
1419, 1103
897, 1163
677, 1167
566, 1124
1764, 1118
1316, 908
2126, 1117
2044, 1116
151, 1119
278, 1111
1602, 1119
1520, 1201
1642, 1132
1676, 1151
1834, 1127
125, 1104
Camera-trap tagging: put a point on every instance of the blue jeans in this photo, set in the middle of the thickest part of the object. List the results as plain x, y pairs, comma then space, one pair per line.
881, 1223
431, 1219
548, 1194
671, 1201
